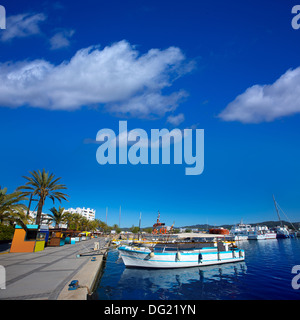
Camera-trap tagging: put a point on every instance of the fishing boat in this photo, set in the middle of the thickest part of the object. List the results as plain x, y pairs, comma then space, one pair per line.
179, 256
159, 228
162, 235
219, 231
166, 250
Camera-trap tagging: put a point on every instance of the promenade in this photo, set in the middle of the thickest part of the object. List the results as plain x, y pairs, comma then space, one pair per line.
45, 275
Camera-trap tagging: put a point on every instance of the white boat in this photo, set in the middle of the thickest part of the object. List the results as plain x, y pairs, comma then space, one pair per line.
282, 231
261, 233
256, 235
270, 235
172, 257
239, 232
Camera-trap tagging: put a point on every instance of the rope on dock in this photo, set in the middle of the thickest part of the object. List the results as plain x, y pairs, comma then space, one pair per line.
96, 252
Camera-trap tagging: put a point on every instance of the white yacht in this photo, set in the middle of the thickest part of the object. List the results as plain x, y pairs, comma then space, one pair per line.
239, 232
261, 233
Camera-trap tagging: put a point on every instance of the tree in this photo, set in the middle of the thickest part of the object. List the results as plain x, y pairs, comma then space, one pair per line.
76, 221
134, 229
116, 228
43, 185
102, 225
84, 224
68, 219
93, 225
10, 207
148, 230
58, 215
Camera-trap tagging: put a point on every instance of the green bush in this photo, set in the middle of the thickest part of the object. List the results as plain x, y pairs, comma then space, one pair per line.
6, 232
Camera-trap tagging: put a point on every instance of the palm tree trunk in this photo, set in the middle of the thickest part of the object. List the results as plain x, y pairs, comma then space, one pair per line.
39, 211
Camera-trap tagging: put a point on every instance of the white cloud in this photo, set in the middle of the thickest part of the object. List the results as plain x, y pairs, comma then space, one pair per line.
116, 76
61, 39
22, 25
148, 105
265, 103
176, 120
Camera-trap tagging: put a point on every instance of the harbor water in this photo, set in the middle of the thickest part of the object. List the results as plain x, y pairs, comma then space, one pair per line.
265, 274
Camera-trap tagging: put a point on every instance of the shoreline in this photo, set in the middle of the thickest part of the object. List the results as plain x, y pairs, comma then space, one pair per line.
46, 275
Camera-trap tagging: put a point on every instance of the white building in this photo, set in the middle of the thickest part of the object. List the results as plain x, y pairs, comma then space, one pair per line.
45, 219
85, 212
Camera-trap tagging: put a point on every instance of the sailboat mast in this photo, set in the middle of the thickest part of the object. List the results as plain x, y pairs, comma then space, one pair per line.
140, 221
140, 225
277, 210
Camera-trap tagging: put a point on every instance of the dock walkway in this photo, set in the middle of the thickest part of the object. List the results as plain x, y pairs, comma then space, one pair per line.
45, 275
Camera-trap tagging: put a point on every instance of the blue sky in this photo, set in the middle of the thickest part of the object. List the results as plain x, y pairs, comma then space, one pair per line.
69, 69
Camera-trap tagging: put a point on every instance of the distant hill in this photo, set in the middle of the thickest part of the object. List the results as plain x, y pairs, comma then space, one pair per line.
269, 224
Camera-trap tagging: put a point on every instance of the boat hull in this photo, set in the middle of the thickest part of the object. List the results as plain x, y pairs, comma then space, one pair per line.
197, 258
282, 236
257, 237
270, 236
236, 237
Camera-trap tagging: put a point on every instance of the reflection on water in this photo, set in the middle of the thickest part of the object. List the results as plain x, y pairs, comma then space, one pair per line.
165, 279
265, 274
168, 284
178, 282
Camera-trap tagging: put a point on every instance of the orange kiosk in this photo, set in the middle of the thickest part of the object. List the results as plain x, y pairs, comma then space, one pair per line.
27, 238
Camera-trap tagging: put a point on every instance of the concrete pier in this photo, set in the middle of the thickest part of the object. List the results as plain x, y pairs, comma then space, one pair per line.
45, 275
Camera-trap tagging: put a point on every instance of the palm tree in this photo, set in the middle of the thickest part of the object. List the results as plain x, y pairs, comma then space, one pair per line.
93, 225
116, 228
84, 224
58, 215
76, 221
10, 208
68, 219
102, 225
45, 186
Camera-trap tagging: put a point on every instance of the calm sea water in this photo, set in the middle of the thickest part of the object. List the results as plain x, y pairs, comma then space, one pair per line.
265, 274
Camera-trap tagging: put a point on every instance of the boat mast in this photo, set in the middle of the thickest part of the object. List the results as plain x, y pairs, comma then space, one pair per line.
140, 226
277, 210
140, 221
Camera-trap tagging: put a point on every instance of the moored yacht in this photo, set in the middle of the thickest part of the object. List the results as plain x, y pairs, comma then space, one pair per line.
239, 232
261, 233
282, 232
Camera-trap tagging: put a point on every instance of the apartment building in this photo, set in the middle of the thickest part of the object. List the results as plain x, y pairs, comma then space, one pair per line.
45, 218
85, 212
